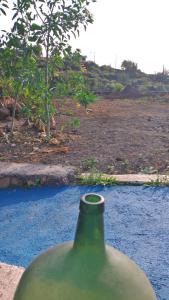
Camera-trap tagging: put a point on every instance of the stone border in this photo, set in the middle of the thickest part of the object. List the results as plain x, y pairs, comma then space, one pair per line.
135, 179
140, 179
24, 174
9, 278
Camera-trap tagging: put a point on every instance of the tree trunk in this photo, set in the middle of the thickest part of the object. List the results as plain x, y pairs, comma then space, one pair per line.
13, 115
47, 84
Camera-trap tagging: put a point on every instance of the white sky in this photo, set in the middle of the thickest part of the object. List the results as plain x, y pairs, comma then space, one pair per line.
136, 30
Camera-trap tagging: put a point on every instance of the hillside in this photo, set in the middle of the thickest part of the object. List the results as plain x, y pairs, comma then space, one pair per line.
105, 80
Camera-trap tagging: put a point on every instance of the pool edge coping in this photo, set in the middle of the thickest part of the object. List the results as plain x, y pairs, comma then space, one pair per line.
28, 174
9, 278
133, 179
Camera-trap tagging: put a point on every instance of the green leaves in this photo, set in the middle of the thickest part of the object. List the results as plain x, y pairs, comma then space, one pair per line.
35, 27
85, 97
2, 11
3, 6
45, 26
32, 38
50, 23
129, 66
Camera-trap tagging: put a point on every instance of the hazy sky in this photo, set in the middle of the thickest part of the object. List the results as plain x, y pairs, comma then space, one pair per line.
136, 30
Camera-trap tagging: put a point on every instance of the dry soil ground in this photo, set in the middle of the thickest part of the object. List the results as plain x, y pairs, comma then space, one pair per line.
116, 136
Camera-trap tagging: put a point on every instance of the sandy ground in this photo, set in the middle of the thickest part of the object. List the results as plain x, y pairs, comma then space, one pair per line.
9, 278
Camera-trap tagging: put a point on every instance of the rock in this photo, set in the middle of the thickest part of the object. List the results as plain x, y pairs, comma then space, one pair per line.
39, 125
4, 113
46, 174
119, 159
16, 181
4, 182
36, 149
42, 135
10, 106
52, 123
8, 103
54, 141
9, 279
1, 132
43, 180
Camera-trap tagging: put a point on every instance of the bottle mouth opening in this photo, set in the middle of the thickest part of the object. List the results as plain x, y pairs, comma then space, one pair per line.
92, 199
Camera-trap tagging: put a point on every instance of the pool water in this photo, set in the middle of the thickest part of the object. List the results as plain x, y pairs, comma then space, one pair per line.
136, 222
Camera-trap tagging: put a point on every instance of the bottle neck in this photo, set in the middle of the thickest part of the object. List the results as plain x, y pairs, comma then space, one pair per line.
90, 231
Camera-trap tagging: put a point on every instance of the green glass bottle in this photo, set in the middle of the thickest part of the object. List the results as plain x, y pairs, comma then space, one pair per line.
85, 269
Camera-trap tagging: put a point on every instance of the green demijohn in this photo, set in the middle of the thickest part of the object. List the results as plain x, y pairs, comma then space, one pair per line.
85, 269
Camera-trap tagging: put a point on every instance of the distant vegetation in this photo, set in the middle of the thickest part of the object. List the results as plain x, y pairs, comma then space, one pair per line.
125, 82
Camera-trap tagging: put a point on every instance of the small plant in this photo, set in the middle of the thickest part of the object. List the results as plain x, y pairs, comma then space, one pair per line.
71, 125
97, 179
74, 123
159, 181
37, 181
116, 86
85, 98
89, 164
149, 170
2, 158
156, 182
125, 164
68, 112
33, 182
110, 168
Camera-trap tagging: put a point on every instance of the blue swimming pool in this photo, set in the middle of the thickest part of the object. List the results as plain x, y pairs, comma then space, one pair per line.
136, 222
